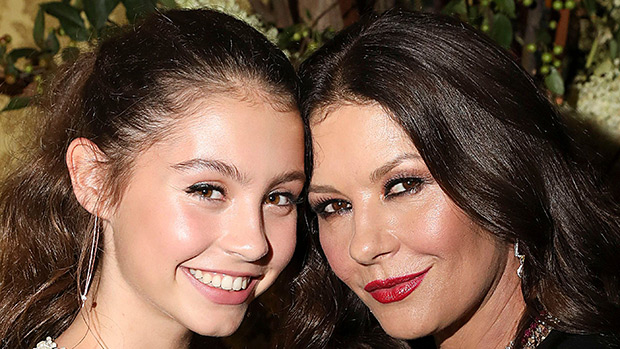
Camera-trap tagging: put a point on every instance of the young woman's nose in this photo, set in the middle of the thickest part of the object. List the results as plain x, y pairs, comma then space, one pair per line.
245, 234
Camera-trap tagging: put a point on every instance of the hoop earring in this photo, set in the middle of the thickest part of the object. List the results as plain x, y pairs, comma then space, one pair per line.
521, 260
91, 260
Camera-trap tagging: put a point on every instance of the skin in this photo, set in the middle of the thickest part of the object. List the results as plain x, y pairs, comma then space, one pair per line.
247, 160
382, 215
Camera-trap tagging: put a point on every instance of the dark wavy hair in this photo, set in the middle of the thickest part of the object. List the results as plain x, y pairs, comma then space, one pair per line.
496, 146
123, 96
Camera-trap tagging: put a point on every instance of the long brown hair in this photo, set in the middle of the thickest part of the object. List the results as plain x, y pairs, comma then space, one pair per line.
123, 97
496, 146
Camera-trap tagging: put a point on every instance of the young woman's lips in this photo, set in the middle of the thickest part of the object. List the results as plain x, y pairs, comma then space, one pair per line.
395, 289
222, 296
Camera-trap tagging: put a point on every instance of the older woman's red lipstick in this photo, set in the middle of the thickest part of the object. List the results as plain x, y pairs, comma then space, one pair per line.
395, 289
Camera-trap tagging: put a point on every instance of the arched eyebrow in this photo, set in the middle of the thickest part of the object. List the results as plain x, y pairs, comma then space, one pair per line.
388, 166
291, 176
224, 168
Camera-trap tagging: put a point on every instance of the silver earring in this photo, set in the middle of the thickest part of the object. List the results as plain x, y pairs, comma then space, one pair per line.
521, 260
91, 260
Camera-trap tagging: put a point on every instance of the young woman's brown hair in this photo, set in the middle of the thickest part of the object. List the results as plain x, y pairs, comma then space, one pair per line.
123, 97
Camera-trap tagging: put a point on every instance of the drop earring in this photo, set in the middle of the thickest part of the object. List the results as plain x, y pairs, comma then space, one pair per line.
521, 260
91, 260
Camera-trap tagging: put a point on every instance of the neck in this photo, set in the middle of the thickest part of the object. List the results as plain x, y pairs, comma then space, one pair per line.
494, 323
115, 317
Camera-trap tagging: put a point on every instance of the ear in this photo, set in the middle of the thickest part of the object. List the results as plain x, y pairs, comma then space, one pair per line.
84, 163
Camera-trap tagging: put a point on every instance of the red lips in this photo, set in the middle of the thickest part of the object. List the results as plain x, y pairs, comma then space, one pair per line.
395, 289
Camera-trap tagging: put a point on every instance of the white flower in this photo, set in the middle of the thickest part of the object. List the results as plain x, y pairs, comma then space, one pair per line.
231, 7
599, 100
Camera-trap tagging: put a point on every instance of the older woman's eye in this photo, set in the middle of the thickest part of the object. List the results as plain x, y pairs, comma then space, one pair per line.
403, 185
330, 207
206, 191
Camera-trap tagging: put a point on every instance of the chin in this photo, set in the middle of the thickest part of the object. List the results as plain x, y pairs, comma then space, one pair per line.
221, 330
217, 325
403, 329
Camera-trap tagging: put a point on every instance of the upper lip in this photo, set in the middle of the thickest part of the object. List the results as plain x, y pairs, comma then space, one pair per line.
228, 272
393, 281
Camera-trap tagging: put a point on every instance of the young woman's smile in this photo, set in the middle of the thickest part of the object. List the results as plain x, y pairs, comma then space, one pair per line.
208, 219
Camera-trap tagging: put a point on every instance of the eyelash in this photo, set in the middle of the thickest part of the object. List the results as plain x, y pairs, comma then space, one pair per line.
205, 190
202, 189
414, 184
319, 207
293, 200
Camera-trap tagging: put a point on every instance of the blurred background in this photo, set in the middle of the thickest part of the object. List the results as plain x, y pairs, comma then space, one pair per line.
570, 47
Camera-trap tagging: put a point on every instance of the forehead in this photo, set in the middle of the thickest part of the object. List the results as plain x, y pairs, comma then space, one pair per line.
248, 132
359, 136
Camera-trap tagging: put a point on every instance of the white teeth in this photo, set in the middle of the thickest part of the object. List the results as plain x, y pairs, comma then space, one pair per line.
237, 284
217, 281
225, 282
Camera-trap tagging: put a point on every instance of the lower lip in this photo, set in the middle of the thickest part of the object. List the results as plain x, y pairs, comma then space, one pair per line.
220, 296
399, 291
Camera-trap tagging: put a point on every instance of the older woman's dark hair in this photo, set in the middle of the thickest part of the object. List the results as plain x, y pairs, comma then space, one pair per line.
124, 97
495, 145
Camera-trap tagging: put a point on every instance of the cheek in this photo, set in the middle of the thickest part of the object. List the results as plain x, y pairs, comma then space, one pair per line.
282, 238
162, 230
336, 250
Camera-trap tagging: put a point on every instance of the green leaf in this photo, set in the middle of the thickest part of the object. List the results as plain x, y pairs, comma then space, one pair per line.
613, 49
98, 11
506, 7
501, 30
69, 18
139, 8
554, 82
455, 7
590, 6
18, 102
39, 28
51, 43
168, 3
18, 53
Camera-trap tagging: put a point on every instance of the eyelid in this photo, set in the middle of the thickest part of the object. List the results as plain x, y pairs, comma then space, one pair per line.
293, 199
199, 188
389, 185
320, 206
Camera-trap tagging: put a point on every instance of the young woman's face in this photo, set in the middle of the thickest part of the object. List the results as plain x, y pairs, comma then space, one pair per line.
390, 232
208, 219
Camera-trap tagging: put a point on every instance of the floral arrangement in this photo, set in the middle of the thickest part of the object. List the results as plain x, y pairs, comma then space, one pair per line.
232, 8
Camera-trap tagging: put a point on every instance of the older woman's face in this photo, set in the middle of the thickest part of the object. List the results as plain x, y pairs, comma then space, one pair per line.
390, 232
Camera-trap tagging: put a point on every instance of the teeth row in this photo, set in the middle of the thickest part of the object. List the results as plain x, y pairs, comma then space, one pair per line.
225, 282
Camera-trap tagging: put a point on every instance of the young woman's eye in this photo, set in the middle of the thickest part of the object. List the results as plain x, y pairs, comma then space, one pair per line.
332, 206
403, 185
279, 199
206, 191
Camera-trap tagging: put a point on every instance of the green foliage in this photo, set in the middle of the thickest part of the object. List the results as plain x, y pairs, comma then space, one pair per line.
501, 31
17, 102
70, 15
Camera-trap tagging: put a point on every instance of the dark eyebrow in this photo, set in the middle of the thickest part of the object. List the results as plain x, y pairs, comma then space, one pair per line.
323, 189
226, 169
381, 171
288, 177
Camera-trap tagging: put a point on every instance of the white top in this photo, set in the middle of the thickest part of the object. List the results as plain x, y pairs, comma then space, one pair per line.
48, 343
